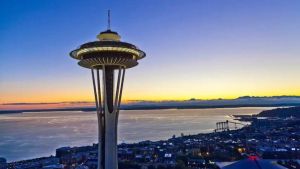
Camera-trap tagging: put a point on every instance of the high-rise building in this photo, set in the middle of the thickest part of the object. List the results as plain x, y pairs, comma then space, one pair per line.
3, 163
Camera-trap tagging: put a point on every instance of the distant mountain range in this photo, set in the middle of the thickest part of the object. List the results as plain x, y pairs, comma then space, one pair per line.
245, 101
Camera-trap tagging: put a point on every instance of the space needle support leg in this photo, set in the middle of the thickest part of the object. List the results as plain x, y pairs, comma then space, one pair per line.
117, 91
108, 113
100, 125
111, 161
99, 118
118, 97
121, 90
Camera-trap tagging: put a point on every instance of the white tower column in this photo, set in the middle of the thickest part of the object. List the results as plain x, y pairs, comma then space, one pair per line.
107, 114
111, 156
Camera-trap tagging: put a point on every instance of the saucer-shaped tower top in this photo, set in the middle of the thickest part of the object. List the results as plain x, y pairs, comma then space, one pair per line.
107, 51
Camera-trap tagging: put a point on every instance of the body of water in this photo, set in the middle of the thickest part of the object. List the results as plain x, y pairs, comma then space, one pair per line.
30, 135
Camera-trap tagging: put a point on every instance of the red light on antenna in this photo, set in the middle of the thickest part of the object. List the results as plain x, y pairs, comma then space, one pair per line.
253, 157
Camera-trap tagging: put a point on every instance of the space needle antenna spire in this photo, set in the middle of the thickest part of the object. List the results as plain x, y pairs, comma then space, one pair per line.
108, 19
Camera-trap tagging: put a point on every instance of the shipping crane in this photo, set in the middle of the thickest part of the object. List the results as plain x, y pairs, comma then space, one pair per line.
224, 126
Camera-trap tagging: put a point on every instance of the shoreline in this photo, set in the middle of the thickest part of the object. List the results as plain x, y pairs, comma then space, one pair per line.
129, 143
133, 107
149, 140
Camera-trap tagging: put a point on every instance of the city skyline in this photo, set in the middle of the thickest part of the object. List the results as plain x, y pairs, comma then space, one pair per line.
206, 50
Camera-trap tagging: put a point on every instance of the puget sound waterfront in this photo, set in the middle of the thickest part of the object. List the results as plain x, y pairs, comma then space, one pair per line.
36, 134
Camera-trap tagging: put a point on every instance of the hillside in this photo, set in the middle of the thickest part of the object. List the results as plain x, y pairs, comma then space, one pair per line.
281, 112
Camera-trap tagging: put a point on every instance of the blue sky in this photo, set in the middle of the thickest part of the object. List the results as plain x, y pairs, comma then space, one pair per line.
195, 49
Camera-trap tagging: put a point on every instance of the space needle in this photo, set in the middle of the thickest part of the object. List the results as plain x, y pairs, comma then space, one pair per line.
107, 58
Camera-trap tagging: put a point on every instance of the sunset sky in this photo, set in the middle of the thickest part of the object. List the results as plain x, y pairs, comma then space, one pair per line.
201, 49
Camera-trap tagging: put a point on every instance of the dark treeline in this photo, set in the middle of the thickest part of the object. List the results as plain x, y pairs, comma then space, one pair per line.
281, 112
